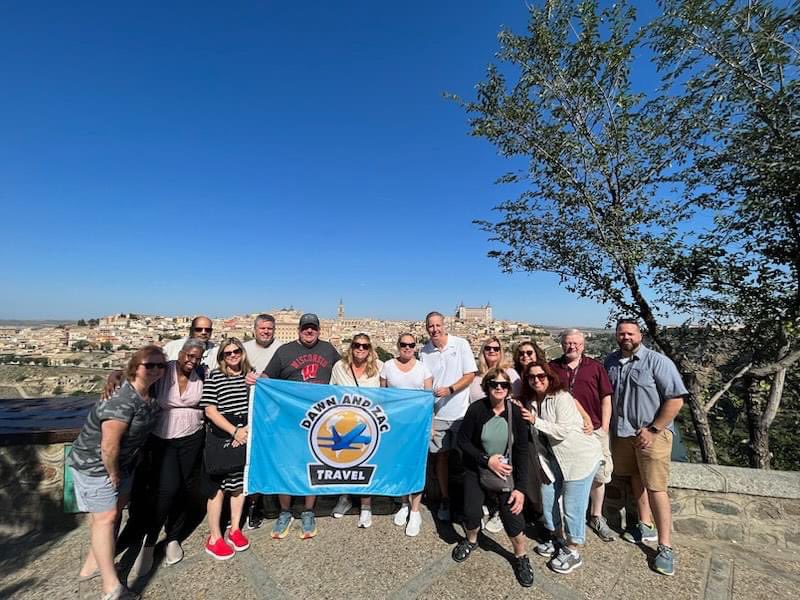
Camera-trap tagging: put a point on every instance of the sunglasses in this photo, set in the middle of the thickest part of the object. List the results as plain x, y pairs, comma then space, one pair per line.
527, 352
407, 345
202, 329
151, 366
491, 348
539, 376
236, 352
360, 346
493, 383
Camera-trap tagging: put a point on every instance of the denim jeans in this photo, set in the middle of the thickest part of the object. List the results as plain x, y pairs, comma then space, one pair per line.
575, 497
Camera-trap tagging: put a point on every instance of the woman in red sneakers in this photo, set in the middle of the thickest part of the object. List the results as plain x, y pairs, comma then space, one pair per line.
225, 400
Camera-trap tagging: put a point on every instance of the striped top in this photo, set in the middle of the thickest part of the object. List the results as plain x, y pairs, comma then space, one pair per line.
228, 394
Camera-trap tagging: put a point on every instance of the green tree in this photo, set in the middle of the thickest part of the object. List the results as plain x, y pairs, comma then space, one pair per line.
80, 345
383, 354
106, 346
596, 205
81, 323
741, 58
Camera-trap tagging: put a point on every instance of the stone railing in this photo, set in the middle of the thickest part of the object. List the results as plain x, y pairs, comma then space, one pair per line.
726, 503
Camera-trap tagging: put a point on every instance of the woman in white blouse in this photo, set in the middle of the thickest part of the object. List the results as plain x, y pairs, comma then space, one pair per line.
405, 371
359, 367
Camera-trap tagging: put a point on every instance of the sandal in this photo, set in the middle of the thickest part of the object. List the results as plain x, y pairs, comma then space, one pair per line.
463, 549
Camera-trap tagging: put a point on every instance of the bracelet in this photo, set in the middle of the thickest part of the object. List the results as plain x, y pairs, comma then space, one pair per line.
233, 435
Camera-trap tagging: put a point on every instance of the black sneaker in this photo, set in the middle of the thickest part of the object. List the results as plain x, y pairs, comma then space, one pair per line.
254, 518
463, 549
523, 570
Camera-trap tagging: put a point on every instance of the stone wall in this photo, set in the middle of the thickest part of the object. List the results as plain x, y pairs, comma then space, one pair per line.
725, 503
32, 489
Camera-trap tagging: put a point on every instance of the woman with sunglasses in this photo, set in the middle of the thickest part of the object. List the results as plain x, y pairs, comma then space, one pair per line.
103, 458
405, 371
526, 353
491, 355
569, 458
484, 440
358, 367
225, 400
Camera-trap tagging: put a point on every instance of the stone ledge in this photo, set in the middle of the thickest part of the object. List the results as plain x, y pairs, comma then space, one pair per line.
735, 480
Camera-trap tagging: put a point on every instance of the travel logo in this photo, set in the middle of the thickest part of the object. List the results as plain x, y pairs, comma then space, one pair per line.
343, 434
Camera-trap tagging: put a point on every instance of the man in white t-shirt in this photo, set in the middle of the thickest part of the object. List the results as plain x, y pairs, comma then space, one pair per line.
452, 364
259, 352
200, 329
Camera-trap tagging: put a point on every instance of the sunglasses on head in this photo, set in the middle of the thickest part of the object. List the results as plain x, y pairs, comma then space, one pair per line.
539, 376
202, 329
151, 366
494, 383
236, 352
407, 344
360, 346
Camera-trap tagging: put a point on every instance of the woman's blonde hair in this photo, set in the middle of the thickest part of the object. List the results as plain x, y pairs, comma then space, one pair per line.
222, 366
372, 358
501, 362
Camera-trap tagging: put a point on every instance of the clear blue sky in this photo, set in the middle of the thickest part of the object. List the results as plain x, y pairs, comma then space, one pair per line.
220, 158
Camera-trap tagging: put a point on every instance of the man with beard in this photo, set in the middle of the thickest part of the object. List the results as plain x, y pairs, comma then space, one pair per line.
648, 393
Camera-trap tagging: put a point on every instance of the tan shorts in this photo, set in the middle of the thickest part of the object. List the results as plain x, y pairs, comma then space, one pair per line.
607, 466
444, 435
652, 465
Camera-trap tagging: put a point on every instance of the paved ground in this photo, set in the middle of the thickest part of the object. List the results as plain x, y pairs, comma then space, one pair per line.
382, 563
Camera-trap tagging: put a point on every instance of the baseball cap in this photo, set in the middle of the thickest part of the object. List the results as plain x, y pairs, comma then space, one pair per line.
309, 319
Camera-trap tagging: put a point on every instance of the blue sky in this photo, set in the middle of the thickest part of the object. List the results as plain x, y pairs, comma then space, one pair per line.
183, 158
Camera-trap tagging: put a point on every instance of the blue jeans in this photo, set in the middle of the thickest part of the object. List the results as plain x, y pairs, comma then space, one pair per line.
575, 497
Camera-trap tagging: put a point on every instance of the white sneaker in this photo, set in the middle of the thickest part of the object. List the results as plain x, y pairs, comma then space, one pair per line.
343, 505
365, 518
414, 523
174, 553
401, 516
494, 525
143, 563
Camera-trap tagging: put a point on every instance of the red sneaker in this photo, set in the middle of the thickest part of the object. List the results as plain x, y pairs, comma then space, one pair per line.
237, 540
219, 549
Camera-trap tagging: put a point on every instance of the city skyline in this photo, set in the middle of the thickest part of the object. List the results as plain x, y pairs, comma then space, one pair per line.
191, 158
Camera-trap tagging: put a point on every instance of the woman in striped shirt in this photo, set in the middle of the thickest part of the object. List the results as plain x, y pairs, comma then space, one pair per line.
225, 400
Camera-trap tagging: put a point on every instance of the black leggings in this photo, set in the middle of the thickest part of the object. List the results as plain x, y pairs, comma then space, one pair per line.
474, 497
174, 462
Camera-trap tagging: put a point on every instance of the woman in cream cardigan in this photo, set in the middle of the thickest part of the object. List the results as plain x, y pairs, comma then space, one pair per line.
569, 459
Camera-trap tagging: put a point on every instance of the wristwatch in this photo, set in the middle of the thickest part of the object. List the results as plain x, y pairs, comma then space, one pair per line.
653, 429
451, 389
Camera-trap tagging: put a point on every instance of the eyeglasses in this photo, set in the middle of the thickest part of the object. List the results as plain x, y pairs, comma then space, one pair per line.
151, 366
493, 383
539, 376
228, 353
359, 346
527, 352
202, 329
407, 344
491, 348
314, 327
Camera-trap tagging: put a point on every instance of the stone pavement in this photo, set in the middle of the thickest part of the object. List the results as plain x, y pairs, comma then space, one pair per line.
381, 562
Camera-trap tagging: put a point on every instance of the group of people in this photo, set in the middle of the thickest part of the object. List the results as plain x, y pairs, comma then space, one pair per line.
536, 436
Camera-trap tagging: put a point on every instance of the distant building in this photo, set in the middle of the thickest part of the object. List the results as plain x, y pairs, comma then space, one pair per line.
480, 313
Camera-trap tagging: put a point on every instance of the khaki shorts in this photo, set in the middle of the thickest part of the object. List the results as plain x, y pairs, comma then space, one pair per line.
652, 465
444, 435
607, 465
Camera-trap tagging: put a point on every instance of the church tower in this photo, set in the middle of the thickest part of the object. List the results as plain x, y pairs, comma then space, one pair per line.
340, 312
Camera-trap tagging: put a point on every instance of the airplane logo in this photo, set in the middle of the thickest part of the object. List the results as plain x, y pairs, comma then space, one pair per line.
346, 441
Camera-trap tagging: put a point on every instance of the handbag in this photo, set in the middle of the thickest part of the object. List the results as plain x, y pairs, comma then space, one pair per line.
491, 481
219, 455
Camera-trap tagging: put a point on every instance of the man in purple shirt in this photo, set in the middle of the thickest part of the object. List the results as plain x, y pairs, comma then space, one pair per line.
588, 382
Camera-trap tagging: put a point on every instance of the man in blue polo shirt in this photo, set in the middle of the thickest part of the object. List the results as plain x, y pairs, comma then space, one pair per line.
648, 393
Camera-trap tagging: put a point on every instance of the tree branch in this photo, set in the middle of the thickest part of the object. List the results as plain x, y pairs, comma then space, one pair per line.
713, 400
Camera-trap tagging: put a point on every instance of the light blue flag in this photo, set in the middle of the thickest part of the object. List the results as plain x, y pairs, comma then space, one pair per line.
309, 439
